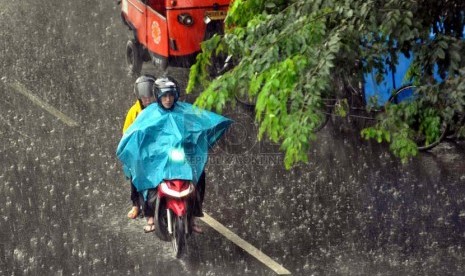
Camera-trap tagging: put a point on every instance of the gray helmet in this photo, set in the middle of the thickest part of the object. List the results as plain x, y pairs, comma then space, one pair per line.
165, 85
143, 87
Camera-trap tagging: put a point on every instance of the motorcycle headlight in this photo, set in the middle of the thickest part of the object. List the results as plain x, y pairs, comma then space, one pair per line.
185, 19
177, 155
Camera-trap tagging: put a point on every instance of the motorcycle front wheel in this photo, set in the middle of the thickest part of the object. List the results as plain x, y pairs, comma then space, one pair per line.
178, 238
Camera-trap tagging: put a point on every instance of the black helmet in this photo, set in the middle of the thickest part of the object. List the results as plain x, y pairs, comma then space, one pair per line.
143, 87
164, 85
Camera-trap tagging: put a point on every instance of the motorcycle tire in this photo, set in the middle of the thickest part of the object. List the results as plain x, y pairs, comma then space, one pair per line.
178, 238
162, 220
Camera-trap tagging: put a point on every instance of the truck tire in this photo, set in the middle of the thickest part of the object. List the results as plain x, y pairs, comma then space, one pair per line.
133, 57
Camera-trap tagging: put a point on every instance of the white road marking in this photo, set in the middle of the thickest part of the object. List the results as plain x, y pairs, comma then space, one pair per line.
279, 269
18, 87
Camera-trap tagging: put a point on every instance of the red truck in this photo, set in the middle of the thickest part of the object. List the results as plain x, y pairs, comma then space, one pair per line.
169, 32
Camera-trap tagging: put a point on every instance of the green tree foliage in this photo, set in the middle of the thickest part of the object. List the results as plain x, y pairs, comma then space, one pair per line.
291, 55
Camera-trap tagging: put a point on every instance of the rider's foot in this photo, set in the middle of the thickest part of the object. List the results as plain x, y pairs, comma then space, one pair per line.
134, 212
149, 228
196, 228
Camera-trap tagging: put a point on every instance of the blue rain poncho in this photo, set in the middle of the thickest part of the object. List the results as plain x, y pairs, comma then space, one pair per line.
169, 144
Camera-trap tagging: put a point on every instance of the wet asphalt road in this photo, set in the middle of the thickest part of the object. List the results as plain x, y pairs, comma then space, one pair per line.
353, 210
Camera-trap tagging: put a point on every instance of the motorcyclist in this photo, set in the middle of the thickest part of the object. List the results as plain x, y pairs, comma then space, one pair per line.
167, 93
143, 90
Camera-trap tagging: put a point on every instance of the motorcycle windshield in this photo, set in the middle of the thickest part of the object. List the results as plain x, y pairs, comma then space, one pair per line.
146, 148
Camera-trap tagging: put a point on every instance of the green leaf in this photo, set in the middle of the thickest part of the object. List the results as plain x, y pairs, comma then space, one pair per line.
440, 53
270, 5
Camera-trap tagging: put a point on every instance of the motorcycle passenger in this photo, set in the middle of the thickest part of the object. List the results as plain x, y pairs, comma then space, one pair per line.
167, 93
143, 89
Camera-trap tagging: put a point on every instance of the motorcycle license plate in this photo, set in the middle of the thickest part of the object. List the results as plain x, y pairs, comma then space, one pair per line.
216, 15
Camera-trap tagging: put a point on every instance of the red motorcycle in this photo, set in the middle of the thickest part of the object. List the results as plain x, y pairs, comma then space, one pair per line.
174, 206
173, 212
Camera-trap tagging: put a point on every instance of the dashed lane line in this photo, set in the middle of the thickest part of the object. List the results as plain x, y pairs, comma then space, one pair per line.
18, 87
279, 269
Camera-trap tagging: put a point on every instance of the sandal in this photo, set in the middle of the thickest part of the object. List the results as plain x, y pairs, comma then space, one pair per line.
149, 228
133, 213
